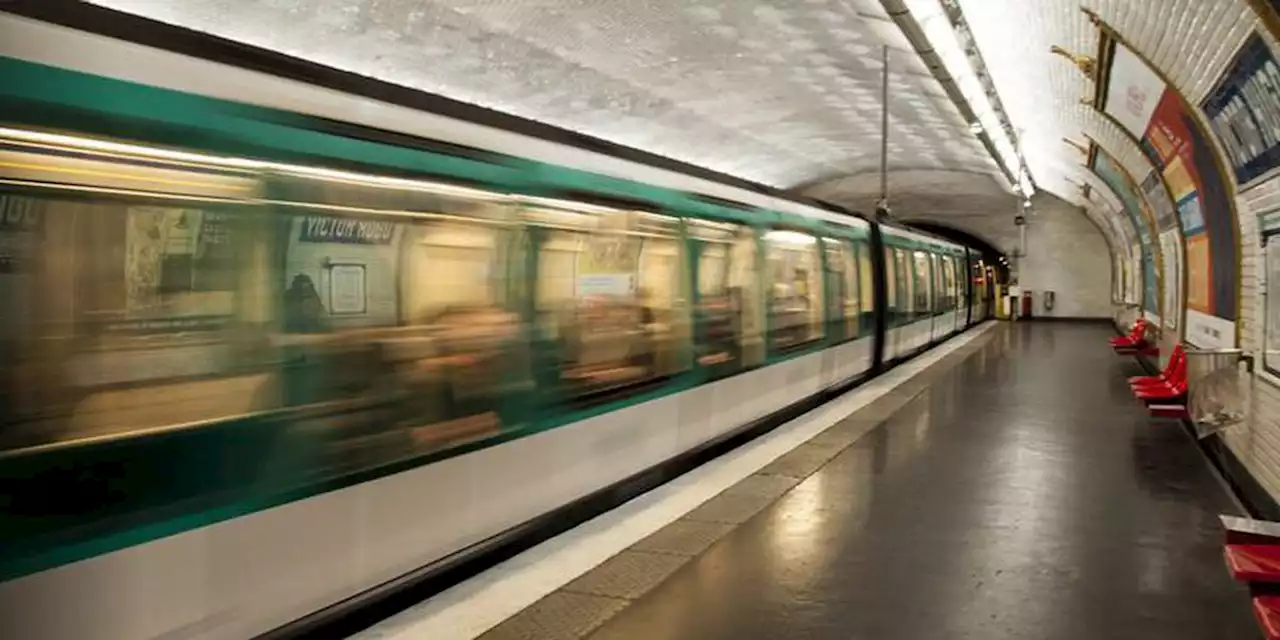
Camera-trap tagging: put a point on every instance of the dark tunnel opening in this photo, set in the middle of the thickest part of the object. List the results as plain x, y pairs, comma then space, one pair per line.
990, 254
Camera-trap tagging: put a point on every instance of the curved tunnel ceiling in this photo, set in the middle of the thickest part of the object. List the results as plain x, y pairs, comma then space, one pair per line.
782, 92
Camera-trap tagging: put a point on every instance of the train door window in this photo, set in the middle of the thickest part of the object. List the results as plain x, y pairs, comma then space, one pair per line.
795, 293
852, 311
610, 298
410, 314
842, 303
124, 315
948, 288
891, 288
939, 290
726, 293
866, 287
906, 287
746, 284
946, 293
923, 282
958, 274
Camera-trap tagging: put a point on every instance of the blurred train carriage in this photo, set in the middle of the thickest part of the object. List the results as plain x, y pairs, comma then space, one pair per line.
212, 310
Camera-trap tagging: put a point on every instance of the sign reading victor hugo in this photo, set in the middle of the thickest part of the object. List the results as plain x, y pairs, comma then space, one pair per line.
1244, 109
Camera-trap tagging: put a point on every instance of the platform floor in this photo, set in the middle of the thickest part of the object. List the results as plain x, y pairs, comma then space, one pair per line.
1013, 490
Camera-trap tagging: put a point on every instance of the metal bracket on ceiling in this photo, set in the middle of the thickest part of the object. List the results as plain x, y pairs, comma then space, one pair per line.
1088, 65
1078, 146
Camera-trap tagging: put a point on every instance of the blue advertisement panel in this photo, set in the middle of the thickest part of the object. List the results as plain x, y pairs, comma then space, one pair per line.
1244, 111
1111, 173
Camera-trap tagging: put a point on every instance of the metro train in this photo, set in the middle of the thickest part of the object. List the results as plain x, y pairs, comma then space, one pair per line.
269, 345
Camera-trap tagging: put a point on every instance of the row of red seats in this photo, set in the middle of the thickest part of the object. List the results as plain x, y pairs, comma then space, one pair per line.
1165, 393
1136, 342
1253, 557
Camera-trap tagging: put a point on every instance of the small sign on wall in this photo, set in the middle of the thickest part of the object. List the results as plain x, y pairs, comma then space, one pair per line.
347, 292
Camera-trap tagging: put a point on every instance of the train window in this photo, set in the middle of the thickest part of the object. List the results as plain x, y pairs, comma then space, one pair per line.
953, 283
923, 278
944, 292
891, 287
957, 285
947, 286
866, 288
610, 299
727, 338
119, 316
795, 294
852, 311
842, 274
905, 287
409, 324
837, 289
745, 281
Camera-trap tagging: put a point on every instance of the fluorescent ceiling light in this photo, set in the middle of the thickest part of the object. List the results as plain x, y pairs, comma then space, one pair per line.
937, 28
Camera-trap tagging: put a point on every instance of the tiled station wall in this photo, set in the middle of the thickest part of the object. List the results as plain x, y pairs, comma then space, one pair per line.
1192, 41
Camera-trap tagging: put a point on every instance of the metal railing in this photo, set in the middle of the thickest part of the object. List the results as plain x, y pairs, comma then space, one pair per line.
1219, 383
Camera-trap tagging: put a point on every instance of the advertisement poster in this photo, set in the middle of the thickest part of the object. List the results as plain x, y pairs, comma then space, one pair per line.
1133, 92
1174, 142
1130, 200
1175, 146
1244, 111
1165, 213
1162, 206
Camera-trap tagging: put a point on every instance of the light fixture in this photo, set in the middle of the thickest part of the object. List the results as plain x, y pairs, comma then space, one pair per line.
941, 34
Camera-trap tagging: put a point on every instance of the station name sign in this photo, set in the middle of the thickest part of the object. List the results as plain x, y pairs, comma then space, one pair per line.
334, 229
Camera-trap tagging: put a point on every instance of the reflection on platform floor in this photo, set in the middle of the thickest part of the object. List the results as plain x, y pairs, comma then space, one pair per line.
1020, 496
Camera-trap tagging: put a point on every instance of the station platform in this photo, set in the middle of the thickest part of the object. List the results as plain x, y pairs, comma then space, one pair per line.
1010, 488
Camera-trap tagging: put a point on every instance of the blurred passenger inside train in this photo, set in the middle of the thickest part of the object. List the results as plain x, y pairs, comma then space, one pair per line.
303, 310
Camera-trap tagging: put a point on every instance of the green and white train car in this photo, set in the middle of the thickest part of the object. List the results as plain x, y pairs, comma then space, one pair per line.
269, 346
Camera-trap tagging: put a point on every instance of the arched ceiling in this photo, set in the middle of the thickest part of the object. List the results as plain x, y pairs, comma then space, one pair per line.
783, 92
1187, 39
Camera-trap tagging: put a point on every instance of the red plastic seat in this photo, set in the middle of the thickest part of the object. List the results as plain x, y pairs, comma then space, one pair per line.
1267, 610
1135, 337
1177, 374
1178, 358
1161, 395
1253, 562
